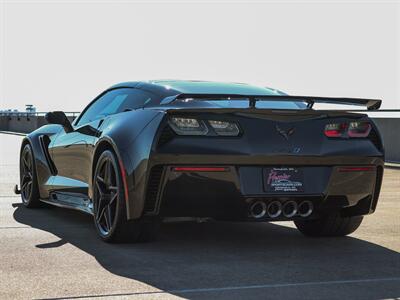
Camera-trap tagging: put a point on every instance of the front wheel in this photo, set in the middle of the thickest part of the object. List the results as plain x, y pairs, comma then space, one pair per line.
110, 206
329, 225
28, 178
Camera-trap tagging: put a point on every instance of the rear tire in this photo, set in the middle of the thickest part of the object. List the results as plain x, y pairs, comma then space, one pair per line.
28, 178
109, 206
329, 225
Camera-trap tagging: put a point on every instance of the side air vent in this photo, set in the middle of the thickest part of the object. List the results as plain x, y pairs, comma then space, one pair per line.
379, 176
44, 143
166, 135
153, 186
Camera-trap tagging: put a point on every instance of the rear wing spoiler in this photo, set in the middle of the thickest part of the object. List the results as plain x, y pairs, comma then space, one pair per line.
370, 104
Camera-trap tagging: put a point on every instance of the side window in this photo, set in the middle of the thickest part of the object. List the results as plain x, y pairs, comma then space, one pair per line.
103, 106
136, 99
113, 102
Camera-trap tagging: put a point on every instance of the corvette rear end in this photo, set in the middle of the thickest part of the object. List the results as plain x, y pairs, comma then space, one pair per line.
264, 164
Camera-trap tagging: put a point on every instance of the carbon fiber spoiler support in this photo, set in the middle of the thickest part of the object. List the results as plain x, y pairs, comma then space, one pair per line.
370, 104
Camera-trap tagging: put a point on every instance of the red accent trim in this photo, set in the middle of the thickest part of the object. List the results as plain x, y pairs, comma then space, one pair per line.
356, 169
123, 175
200, 169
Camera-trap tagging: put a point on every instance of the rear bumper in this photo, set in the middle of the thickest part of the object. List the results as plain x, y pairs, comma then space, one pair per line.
228, 194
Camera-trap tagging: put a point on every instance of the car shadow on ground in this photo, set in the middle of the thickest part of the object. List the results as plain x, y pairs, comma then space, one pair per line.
221, 254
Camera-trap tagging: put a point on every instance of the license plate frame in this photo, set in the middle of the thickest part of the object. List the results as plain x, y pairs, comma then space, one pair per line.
283, 180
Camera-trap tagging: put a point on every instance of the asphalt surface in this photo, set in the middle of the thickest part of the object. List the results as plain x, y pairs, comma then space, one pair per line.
54, 253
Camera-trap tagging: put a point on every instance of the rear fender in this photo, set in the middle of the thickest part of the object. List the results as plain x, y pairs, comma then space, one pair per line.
131, 136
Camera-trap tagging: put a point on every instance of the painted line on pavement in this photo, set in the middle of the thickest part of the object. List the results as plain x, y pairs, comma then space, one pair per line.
233, 288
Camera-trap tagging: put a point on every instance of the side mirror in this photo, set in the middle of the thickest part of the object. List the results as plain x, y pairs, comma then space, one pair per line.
59, 117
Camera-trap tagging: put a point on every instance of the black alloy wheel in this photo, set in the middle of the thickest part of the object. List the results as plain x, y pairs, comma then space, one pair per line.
109, 206
28, 181
106, 194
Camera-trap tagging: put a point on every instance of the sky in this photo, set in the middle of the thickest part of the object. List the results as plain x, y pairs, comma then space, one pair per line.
58, 55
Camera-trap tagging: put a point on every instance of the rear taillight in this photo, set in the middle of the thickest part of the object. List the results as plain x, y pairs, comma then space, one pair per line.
359, 129
335, 129
188, 126
192, 126
348, 130
224, 128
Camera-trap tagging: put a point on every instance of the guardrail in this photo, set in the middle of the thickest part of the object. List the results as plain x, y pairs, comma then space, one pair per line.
72, 114
389, 127
25, 122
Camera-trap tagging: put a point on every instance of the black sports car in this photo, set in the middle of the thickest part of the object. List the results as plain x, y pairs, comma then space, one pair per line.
143, 151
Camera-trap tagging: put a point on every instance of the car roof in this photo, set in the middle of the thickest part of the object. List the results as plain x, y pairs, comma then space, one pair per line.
174, 87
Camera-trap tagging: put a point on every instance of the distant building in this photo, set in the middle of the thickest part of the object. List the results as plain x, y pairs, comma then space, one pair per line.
29, 109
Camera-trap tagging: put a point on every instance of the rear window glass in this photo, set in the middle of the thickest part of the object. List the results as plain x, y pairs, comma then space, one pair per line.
266, 104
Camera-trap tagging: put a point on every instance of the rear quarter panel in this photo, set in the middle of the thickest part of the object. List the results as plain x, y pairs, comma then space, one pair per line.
131, 135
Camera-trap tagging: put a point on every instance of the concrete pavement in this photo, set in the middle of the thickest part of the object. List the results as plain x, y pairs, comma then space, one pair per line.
54, 253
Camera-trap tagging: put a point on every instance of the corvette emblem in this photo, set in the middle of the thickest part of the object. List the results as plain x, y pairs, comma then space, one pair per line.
285, 132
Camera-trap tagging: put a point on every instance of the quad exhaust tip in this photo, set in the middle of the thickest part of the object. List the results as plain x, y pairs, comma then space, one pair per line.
258, 209
274, 209
305, 209
289, 209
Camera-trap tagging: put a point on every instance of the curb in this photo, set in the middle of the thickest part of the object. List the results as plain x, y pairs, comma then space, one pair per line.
13, 133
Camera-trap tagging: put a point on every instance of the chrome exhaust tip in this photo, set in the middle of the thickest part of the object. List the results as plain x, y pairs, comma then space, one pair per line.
305, 208
289, 209
274, 209
258, 209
